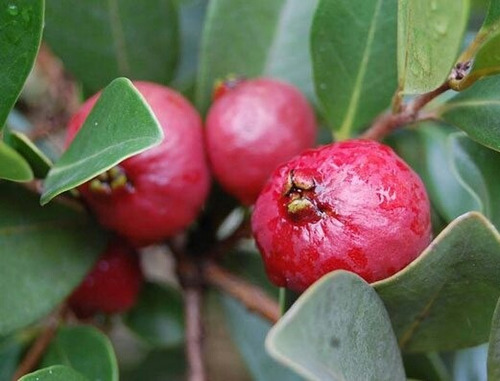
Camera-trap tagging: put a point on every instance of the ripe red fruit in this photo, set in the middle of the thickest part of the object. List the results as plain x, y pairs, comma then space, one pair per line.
112, 285
352, 205
159, 192
251, 129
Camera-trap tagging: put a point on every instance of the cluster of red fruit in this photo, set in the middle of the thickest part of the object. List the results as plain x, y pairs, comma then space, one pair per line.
352, 205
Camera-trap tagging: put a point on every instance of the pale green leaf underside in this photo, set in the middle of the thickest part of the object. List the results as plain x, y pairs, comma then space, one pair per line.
120, 125
429, 39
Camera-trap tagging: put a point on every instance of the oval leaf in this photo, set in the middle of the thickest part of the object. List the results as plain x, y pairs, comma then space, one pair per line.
55, 373
338, 330
21, 23
120, 38
84, 349
494, 347
120, 125
276, 46
249, 333
426, 366
158, 317
37, 160
477, 112
429, 39
45, 252
354, 60
13, 166
444, 300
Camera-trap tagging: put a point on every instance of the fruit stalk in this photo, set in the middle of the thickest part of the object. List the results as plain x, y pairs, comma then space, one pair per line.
194, 333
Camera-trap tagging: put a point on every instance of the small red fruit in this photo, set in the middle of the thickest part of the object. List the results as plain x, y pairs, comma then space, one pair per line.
251, 129
159, 192
112, 285
353, 205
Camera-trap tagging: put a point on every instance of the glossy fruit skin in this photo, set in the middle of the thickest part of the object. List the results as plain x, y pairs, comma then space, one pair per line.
352, 205
251, 129
170, 182
113, 284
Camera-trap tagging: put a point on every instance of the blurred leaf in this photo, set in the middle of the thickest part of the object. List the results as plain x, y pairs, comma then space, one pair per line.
477, 112
159, 365
235, 43
493, 15
249, 333
158, 317
45, 252
37, 160
470, 364
338, 330
12, 165
55, 373
21, 23
11, 349
120, 125
494, 347
426, 366
84, 349
354, 60
477, 167
286, 299
101, 40
444, 299
428, 150
429, 39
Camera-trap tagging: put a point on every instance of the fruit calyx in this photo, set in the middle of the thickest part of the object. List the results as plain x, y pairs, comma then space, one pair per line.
113, 180
300, 198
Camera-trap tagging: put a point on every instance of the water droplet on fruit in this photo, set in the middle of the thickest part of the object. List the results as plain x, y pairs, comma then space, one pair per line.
13, 10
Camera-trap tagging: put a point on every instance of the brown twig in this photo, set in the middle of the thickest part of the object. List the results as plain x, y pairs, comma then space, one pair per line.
410, 113
223, 246
40, 344
194, 333
253, 297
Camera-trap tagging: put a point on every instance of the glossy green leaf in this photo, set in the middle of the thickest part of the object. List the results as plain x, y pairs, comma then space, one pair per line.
39, 163
101, 40
353, 48
158, 317
11, 350
494, 347
45, 252
426, 366
477, 167
55, 373
338, 330
249, 331
21, 23
12, 165
477, 112
429, 39
276, 46
428, 150
120, 125
444, 299
85, 349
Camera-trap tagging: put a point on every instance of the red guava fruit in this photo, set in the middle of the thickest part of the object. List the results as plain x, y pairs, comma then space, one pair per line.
157, 193
112, 285
353, 205
251, 128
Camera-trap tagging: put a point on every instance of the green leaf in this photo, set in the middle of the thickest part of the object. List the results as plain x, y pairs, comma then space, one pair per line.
494, 347
158, 317
55, 373
428, 150
338, 330
354, 61
37, 160
120, 125
84, 349
158, 365
477, 167
493, 16
11, 350
45, 252
101, 40
276, 46
249, 333
21, 23
12, 165
444, 299
429, 39
426, 366
470, 364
